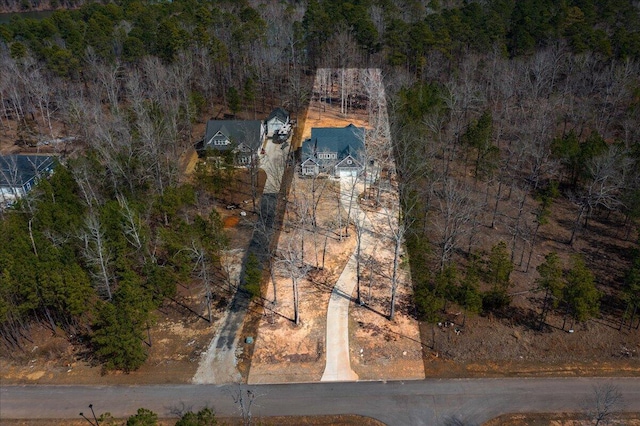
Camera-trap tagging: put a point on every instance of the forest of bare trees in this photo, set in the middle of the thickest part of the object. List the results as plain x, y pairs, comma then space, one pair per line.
511, 139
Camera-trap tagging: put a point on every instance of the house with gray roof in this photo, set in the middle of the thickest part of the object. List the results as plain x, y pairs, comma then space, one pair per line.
243, 137
20, 173
335, 150
277, 120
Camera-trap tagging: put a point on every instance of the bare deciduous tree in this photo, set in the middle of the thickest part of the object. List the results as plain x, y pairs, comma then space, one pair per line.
244, 399
456, 210
362, 226
201, 267
132, 228
292, 264
607, 179
603, 404
97, 254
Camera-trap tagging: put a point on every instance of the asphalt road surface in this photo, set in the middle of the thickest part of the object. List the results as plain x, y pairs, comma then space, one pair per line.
423, 402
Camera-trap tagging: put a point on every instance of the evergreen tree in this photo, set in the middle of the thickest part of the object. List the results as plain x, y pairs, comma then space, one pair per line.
428, 304
446, 284
118, 331
580, 294
204, 417
551, 281
252, 275
143, 417
469, 295
479, 137
233, 100
249, 93
498, 272
499, 267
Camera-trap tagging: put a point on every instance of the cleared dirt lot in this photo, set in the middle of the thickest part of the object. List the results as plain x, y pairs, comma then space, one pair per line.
379, 348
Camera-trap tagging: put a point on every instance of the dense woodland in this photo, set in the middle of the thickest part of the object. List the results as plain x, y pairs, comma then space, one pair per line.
493, 104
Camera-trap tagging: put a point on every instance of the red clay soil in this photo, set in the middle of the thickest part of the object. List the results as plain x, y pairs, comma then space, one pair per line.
231, 221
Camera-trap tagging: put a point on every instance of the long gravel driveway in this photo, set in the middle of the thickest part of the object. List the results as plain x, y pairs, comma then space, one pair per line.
219, 363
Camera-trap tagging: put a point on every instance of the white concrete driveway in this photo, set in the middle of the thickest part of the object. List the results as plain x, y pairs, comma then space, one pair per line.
338, 362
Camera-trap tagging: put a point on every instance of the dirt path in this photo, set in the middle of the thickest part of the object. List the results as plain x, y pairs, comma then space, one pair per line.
219, 363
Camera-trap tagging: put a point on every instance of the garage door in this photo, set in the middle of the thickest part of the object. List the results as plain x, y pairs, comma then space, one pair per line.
348, 173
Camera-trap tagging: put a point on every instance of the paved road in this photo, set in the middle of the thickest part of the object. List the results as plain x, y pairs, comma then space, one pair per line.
423, 402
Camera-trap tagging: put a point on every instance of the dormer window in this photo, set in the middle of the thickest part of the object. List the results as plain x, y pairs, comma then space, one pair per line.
327, 156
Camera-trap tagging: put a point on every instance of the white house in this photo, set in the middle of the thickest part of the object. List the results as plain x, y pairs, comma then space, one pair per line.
278, 119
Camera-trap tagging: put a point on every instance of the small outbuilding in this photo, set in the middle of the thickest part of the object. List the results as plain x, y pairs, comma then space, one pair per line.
277, 120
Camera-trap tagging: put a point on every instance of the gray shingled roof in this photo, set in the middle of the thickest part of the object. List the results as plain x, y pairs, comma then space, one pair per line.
17, 170
345, 141
246, 132
279, 113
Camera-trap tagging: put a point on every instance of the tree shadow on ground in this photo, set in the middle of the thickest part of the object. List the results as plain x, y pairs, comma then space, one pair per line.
517, 316
457, 421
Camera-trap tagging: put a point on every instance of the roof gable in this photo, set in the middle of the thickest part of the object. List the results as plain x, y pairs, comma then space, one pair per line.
349, 161
279, 113
309, 161
221, 134
247, 132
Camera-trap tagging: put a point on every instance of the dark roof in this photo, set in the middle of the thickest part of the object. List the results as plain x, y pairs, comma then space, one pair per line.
279, 113
17, 170
345, 141
247, 132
